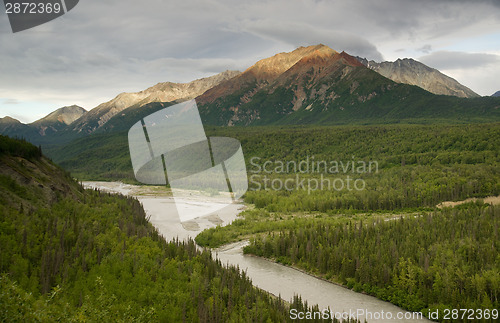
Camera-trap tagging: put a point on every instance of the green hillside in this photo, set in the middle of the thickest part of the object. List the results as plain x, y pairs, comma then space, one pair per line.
69, 254
98, 157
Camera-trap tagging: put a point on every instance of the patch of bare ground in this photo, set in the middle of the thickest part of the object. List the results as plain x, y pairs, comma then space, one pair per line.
493, 200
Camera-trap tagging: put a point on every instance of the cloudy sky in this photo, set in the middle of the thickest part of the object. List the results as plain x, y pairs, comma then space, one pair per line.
102, 48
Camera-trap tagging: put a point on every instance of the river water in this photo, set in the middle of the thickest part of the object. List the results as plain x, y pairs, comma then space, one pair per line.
272, 277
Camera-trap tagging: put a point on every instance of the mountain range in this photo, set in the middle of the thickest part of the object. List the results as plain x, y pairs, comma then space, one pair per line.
317, 85
49, 125
410, 71
161, 92
310, 85
71, 122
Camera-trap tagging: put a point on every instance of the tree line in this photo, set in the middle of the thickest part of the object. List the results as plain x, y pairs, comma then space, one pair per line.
436, 260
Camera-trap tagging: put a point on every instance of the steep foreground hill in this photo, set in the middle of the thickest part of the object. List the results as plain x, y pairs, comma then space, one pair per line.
69, 254
410, 71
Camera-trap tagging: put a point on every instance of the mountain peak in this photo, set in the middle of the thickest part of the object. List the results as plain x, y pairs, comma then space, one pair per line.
268, 69
413, 72
497, 93
9, 120
349, 60
65, 115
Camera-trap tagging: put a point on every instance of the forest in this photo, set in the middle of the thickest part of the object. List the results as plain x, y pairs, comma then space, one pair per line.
69, 254
418, 165
389, 240
421, 261
440, 259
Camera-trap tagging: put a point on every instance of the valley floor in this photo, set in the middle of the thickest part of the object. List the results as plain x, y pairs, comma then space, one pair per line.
275, 278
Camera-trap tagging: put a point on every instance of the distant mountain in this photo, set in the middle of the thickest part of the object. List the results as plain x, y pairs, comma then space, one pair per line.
16, 129
161, 92
8, 121
278, 83
68, 123
10, 125
42, 130
497, 93
58, 120
410, 71
65, 115
262, 73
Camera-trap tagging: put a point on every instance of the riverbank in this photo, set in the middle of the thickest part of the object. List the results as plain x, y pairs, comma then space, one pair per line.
161, 209
286, 282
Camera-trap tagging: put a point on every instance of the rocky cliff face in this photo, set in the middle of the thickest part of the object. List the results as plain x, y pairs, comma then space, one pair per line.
410, 71
161, 92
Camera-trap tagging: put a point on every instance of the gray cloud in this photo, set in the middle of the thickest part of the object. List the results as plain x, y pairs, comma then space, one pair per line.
446, 60
425, 49
10, 101
299, 34
102, 48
